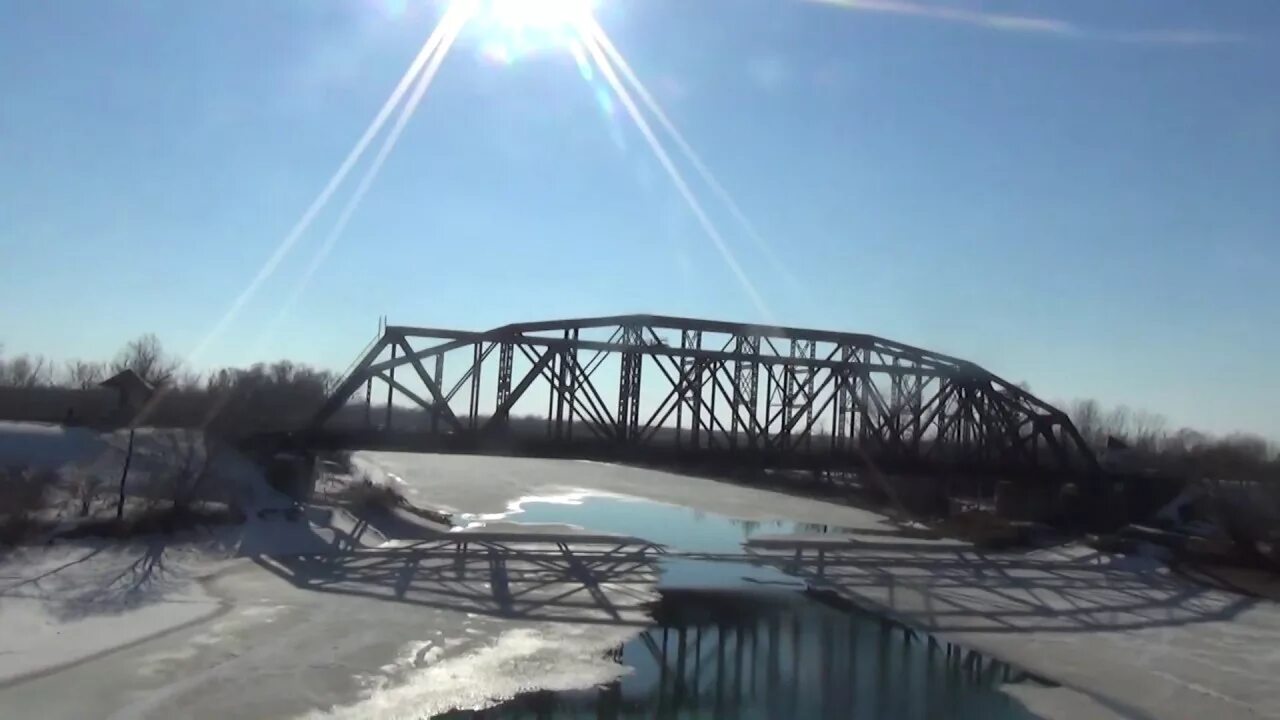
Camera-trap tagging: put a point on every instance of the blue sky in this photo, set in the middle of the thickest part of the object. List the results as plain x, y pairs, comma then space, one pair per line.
1081, 195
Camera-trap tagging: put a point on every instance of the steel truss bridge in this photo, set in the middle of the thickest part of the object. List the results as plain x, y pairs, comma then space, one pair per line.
666, 388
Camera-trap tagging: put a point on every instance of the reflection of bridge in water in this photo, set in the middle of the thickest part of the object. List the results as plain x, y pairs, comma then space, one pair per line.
780, 655
662, 388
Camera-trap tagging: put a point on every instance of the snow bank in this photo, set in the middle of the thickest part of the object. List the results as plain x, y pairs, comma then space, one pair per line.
165, 461
47, 447
67, 603
70, 601
551, 657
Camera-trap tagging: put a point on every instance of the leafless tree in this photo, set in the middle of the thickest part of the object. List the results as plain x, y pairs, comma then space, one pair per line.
187, 380
1087, 417
86, 490
1184, 441
1118, 423
25, 371
1147, 429
83, 375
146, 357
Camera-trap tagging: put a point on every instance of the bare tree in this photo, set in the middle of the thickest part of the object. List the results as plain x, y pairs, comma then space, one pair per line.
187, 380
1184, 441
147, 358
84, 375
1147, 429
1086, 415
25, 371
1118, 423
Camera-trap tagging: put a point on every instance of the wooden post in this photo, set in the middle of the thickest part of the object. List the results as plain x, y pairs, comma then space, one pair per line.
128, 458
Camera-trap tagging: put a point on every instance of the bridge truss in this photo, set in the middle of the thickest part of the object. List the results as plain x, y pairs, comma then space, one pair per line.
653, 387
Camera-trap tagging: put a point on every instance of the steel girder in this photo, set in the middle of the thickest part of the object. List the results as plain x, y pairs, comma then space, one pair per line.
834, 397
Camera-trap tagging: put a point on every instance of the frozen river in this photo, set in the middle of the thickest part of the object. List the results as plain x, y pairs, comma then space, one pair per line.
326, 619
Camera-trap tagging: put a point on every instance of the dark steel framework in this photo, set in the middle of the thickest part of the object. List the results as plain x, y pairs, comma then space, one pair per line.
701, 389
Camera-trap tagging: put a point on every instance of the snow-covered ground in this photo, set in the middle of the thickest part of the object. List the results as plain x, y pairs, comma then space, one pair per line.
1135, 639
85, 465
277, 618
67, 601
327, 616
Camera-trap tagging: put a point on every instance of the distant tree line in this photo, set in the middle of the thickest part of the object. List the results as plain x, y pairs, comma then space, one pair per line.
144, 355
284, 395
1183, 451
231, 401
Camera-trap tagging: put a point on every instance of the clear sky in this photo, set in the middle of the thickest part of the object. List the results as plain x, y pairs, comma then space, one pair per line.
1083, 195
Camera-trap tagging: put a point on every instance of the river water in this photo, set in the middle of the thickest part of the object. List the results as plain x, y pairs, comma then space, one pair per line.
734, 639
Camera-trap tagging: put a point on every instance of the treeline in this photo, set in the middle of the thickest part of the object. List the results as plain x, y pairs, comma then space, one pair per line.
1150, 443
145, 356
232, 401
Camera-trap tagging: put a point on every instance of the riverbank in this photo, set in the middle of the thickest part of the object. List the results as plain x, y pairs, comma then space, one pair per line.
323, 612
1132, 637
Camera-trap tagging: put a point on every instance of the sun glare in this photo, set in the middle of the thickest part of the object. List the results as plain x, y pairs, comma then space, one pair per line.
511, 29
535, 14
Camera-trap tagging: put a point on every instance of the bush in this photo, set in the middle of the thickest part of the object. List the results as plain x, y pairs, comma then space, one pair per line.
23, 493
1249, 514
156, 520
85, 491
370, 496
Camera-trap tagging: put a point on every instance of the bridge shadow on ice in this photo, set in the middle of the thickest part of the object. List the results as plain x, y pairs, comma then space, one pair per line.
957, 588
935, 587
536, 577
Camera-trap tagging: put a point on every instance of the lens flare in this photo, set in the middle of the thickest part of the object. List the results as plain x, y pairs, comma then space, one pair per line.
597, 54
450, 25
268, 268
593, 30
510, 30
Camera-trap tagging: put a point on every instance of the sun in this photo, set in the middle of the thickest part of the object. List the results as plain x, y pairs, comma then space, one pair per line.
524, 15
511, 29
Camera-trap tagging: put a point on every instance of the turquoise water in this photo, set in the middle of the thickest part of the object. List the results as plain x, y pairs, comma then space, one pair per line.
679, 528
736, 640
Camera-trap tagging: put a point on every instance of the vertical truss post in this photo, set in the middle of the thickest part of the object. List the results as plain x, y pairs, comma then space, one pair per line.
946, 404
637, 372
772, 399
436, 409
571, 398
629, 385
709, 367
506, 358
865, 425
897, 407
368, 403
552, 386
390, 390
810, 396
844, 404
781, 387
691, 395
745, 388
798, 390
917, 410
564, 390
477, 359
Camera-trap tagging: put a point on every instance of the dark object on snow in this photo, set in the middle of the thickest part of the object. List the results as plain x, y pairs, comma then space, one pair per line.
292, 474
